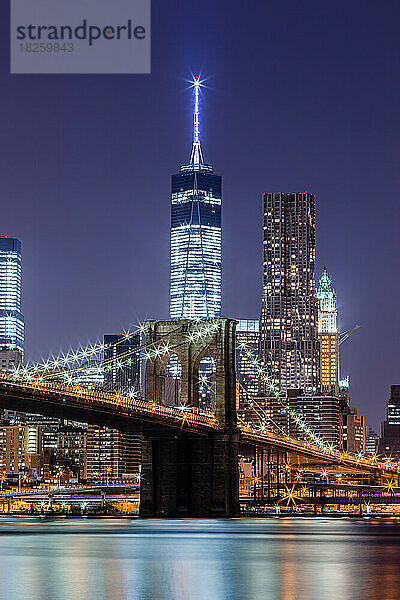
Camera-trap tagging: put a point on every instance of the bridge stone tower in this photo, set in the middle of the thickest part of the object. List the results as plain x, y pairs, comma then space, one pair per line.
184, 473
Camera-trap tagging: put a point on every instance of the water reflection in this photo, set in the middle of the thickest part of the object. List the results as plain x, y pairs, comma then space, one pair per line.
282, 559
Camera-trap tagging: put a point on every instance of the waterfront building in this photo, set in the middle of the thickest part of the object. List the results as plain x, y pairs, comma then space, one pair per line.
289, 342
71, 449
21, 449
328, 334
111, 453
11, 318
196, 235
390, 434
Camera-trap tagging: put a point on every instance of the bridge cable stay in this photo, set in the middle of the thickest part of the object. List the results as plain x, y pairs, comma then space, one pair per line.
44, 371
291, 412
259, 409
205, 329
154, 349
326, 448
74, 357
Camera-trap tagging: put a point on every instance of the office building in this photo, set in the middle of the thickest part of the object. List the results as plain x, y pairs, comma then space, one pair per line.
122, 362
390, 433
353, 436
328, 334
90, 374
371, 441
289, 342
11, 318
71, 449
9, 361
196, 237
247, 335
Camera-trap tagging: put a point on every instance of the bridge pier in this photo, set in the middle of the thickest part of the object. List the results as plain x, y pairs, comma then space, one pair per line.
190, 477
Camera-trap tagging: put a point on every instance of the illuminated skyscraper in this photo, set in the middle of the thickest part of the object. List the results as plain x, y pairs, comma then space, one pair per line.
196, 239
11, 319
328, 335
288, 334
122, 362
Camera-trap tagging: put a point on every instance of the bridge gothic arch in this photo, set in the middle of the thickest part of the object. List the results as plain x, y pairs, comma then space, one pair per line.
192, 341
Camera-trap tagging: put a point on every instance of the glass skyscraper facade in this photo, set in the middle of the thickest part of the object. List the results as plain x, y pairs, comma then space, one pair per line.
196, 236
11, 318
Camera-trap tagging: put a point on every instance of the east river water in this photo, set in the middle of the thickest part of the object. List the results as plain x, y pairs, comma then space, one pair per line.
273, 559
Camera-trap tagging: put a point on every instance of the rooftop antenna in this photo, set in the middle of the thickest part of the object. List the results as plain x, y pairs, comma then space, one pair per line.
196, 158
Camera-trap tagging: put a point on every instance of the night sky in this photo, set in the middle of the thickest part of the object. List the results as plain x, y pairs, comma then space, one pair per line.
301, 96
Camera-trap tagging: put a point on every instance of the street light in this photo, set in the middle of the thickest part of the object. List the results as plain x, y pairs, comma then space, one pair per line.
60, 472
108, 471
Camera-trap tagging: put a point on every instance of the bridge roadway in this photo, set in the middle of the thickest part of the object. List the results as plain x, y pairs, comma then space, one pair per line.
133, 414
120, 488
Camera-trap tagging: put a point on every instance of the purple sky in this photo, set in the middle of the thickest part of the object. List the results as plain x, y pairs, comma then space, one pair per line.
302, 96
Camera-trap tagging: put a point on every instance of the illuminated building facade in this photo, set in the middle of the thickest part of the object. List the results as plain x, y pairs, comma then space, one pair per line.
21, 448
320, 412
71, 449
390, 434
247, 333
11, 319
121, 373
289, 342
328, 335
111, 453
353, 432
196, 235
371, 441
122, 362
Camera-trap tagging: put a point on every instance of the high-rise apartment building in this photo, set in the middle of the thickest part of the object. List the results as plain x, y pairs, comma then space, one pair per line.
328, 335
11, 319
196, 235
111, 453
21, 448
289, 342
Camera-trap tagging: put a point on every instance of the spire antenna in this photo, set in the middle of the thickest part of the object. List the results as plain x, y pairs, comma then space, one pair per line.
196, 158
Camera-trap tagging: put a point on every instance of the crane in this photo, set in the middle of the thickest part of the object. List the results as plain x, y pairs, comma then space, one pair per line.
343, 336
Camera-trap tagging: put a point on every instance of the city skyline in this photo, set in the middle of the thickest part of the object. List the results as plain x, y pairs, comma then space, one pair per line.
346, 166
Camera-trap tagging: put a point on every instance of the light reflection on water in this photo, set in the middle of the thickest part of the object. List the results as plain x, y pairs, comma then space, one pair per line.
275, 559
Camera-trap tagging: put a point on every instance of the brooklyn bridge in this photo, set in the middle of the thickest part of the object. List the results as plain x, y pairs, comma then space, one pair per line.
191, 453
